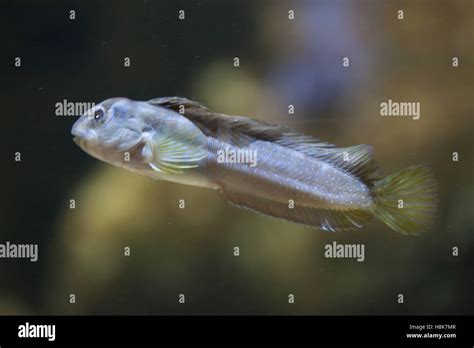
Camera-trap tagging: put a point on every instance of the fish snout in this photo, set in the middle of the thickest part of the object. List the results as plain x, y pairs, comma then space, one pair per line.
80, 131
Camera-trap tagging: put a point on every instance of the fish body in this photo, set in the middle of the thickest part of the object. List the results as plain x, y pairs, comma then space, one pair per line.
266, 168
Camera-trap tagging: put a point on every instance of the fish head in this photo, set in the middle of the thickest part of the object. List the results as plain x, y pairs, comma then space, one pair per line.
109, 129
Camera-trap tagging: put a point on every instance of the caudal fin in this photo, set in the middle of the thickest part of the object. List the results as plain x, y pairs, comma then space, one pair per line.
406, 200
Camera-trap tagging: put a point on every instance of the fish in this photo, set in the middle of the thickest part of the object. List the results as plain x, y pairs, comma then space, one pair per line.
269, 169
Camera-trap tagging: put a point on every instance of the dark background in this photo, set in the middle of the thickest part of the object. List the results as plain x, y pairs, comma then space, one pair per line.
190, 250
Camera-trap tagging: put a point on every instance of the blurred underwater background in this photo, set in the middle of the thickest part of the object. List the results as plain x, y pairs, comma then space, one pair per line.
282, 62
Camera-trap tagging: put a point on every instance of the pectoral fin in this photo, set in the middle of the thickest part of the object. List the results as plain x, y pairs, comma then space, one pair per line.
172, 153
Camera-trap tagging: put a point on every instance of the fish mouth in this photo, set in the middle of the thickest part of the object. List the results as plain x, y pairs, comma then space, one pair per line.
81, 136
88, 147
79, 142
78, 133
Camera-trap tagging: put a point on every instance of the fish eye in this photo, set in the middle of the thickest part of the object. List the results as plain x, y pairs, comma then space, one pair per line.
98, 114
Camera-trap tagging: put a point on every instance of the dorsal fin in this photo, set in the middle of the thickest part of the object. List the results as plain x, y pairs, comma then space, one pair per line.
357, 160
211, 122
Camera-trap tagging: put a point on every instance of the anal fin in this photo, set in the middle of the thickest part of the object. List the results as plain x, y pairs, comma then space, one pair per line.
324, 219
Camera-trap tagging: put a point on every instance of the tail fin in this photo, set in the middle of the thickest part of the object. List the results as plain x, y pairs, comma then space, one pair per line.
406, 200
